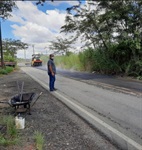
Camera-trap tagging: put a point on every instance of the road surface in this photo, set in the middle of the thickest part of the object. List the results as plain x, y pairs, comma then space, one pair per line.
116, 114
130, 86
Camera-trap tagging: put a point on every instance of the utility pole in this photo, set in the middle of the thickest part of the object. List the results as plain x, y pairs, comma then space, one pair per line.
2, 62
25, 54
46, 50
33, 49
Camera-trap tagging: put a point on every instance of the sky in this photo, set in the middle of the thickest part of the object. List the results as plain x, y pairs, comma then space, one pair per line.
36, 25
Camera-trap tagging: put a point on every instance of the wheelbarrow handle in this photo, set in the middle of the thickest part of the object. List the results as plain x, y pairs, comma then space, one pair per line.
40, 94
4, 102
37, 98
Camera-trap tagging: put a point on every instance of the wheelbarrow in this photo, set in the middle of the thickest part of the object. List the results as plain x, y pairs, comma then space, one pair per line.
23, 99
26, 100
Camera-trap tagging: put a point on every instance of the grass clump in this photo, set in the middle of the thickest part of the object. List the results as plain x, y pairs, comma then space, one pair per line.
39, 139
9, 134
10, 124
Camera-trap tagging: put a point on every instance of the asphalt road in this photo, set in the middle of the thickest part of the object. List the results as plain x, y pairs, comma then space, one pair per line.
118, 111
128, 85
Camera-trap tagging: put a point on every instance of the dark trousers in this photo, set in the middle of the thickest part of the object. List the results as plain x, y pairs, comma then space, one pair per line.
51, 81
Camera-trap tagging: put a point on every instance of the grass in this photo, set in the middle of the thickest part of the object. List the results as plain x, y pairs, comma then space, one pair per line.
6, 70
66, 62
9, 134
39, 139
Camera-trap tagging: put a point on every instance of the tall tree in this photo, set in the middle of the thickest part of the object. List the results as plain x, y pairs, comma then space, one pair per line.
124, 18
61, 45
11, 47
108, 19
84, 22
5, 9
107, 23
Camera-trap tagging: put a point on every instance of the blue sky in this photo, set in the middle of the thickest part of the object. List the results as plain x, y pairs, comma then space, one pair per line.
6, 25
36, 25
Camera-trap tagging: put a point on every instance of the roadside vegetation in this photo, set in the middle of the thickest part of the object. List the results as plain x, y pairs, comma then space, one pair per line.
39, 140
111, 36
71, 62
6, 70
9, 60
114, 63
112, 39
8, 134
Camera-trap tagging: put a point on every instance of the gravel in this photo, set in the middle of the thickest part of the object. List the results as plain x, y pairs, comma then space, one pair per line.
61, 127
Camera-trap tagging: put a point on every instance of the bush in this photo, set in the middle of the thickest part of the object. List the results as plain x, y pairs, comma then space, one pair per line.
6, 70
9, 58
105, 64
100, 60
87, 59
134, 68
9, 69
3, 71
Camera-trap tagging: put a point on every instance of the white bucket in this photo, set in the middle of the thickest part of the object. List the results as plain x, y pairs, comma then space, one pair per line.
20, 122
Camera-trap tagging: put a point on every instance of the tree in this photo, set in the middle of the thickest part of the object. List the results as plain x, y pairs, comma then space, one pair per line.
108, 17
6, 7
112, 26
41, 2
125, 18
85, 24
61, 45
11, 47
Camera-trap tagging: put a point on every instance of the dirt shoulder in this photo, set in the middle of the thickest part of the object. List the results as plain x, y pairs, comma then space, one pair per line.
62, 129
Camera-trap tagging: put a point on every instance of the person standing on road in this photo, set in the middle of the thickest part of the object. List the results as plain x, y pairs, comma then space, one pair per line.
51, 72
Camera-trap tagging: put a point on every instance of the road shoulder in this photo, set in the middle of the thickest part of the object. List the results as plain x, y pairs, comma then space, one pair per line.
61, 128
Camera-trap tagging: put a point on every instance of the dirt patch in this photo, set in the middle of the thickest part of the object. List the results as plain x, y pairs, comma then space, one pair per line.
62, 129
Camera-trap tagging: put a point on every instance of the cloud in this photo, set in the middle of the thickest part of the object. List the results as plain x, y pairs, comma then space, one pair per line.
32, 33
37, 27
33, 26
